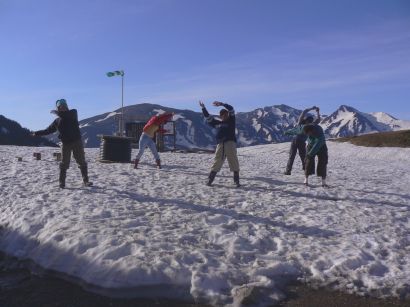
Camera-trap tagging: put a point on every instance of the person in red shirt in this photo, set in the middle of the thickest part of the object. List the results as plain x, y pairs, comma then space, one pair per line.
146, 140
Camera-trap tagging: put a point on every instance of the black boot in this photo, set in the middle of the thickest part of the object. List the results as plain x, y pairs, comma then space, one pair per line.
61, 179
84, 173
158, 164
136, 163
236, 179
211, 178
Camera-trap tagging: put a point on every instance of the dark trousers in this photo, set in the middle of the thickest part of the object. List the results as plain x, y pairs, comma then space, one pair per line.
321, 170
77, 149
296, 146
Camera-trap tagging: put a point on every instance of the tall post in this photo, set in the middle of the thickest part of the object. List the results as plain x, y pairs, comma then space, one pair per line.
122, 106
121, 119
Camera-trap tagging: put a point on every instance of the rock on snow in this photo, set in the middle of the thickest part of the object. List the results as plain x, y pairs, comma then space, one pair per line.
167, 232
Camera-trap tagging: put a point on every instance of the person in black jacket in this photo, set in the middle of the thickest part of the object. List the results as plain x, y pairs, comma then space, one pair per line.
298, 143
69, 133
226, 140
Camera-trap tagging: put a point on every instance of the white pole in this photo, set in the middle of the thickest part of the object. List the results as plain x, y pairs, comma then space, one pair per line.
122, 106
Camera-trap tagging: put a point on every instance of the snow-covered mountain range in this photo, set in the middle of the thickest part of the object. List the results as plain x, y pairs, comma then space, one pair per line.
260, 126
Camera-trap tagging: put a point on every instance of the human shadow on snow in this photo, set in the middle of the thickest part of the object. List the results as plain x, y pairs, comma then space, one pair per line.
406, 196
183, 170
351, 199
272, 181
333, 198
275, 183
305, 230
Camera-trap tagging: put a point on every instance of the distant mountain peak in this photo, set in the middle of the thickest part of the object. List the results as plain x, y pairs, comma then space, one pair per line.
347, 108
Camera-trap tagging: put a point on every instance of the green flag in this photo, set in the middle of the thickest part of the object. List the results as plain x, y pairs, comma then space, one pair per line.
115, 73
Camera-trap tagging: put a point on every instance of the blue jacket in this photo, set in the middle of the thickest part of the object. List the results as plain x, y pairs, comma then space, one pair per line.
316, 141
226, 130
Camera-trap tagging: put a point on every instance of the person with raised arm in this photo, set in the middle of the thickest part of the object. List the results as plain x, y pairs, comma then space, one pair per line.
225, 138
316, 147
298, 143
68, 128
152, 127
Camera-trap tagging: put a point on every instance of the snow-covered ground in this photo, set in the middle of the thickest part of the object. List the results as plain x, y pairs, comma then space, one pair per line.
167, 232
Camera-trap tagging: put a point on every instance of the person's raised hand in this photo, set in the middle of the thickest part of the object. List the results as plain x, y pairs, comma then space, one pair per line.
201, 104
217, 103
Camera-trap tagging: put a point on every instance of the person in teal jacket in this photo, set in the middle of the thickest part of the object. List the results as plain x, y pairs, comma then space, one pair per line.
316, 147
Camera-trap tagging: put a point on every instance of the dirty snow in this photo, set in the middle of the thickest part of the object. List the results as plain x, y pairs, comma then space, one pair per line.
164, 229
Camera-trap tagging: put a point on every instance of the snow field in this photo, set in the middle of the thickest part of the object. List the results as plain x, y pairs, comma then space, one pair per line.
164, 229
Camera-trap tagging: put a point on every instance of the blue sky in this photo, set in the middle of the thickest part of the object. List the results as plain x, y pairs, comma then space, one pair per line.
250, 53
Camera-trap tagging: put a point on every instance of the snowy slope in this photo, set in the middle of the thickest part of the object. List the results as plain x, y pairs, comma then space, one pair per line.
167, 232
